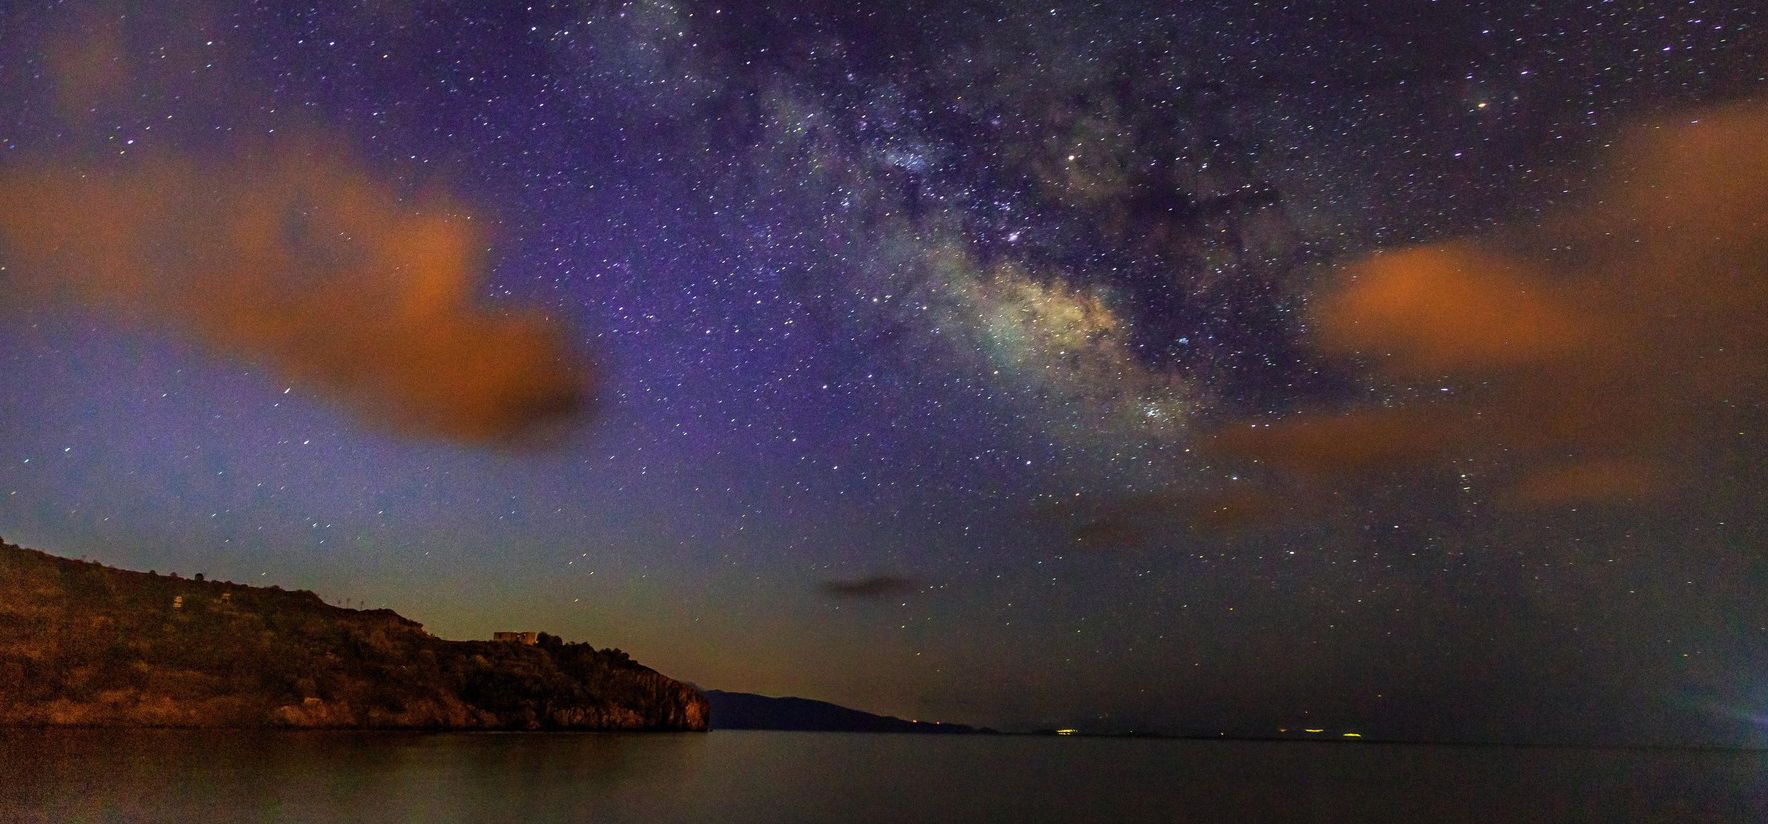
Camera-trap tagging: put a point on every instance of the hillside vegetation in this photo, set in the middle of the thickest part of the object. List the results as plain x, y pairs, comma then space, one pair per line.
86, 644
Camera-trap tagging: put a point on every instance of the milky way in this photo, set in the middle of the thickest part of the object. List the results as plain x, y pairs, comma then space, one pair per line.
1128, 365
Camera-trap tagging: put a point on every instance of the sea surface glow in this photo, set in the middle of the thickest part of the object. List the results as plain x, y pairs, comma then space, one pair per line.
738, 776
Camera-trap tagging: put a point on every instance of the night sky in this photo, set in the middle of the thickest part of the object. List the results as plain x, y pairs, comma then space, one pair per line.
1189, 366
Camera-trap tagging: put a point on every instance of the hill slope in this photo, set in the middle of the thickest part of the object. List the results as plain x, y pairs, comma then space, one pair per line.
86, 644
747, 711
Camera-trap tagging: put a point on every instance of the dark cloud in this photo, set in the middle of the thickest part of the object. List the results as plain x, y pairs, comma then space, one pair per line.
298, 260
873, 587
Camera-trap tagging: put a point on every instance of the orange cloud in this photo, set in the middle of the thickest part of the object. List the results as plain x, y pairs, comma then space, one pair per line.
1590, 353
1615, 481
1324, 446
1428, 310
306, 264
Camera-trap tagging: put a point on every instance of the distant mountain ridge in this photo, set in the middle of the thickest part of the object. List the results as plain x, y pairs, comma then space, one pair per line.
747, 711
91, 645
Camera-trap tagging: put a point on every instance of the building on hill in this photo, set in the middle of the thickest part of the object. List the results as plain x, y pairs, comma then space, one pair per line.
529, 638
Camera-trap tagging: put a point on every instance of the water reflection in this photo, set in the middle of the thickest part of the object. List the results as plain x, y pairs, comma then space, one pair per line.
486, 778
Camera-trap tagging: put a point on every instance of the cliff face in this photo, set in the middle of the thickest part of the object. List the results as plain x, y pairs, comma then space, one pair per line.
85, 644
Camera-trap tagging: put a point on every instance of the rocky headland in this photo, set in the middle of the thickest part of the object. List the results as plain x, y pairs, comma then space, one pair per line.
90, 645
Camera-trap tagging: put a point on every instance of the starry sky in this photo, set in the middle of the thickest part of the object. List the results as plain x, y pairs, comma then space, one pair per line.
1186, 366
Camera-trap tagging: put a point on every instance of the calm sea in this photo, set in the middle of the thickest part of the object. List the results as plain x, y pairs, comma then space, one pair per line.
733, 777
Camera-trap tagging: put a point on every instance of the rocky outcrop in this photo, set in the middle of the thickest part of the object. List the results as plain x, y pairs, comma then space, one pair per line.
86, 644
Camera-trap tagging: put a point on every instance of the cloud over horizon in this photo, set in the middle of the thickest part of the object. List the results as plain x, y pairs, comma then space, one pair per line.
1581, 356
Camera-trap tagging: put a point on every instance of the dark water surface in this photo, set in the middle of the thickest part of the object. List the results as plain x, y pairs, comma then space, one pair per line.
736, 777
